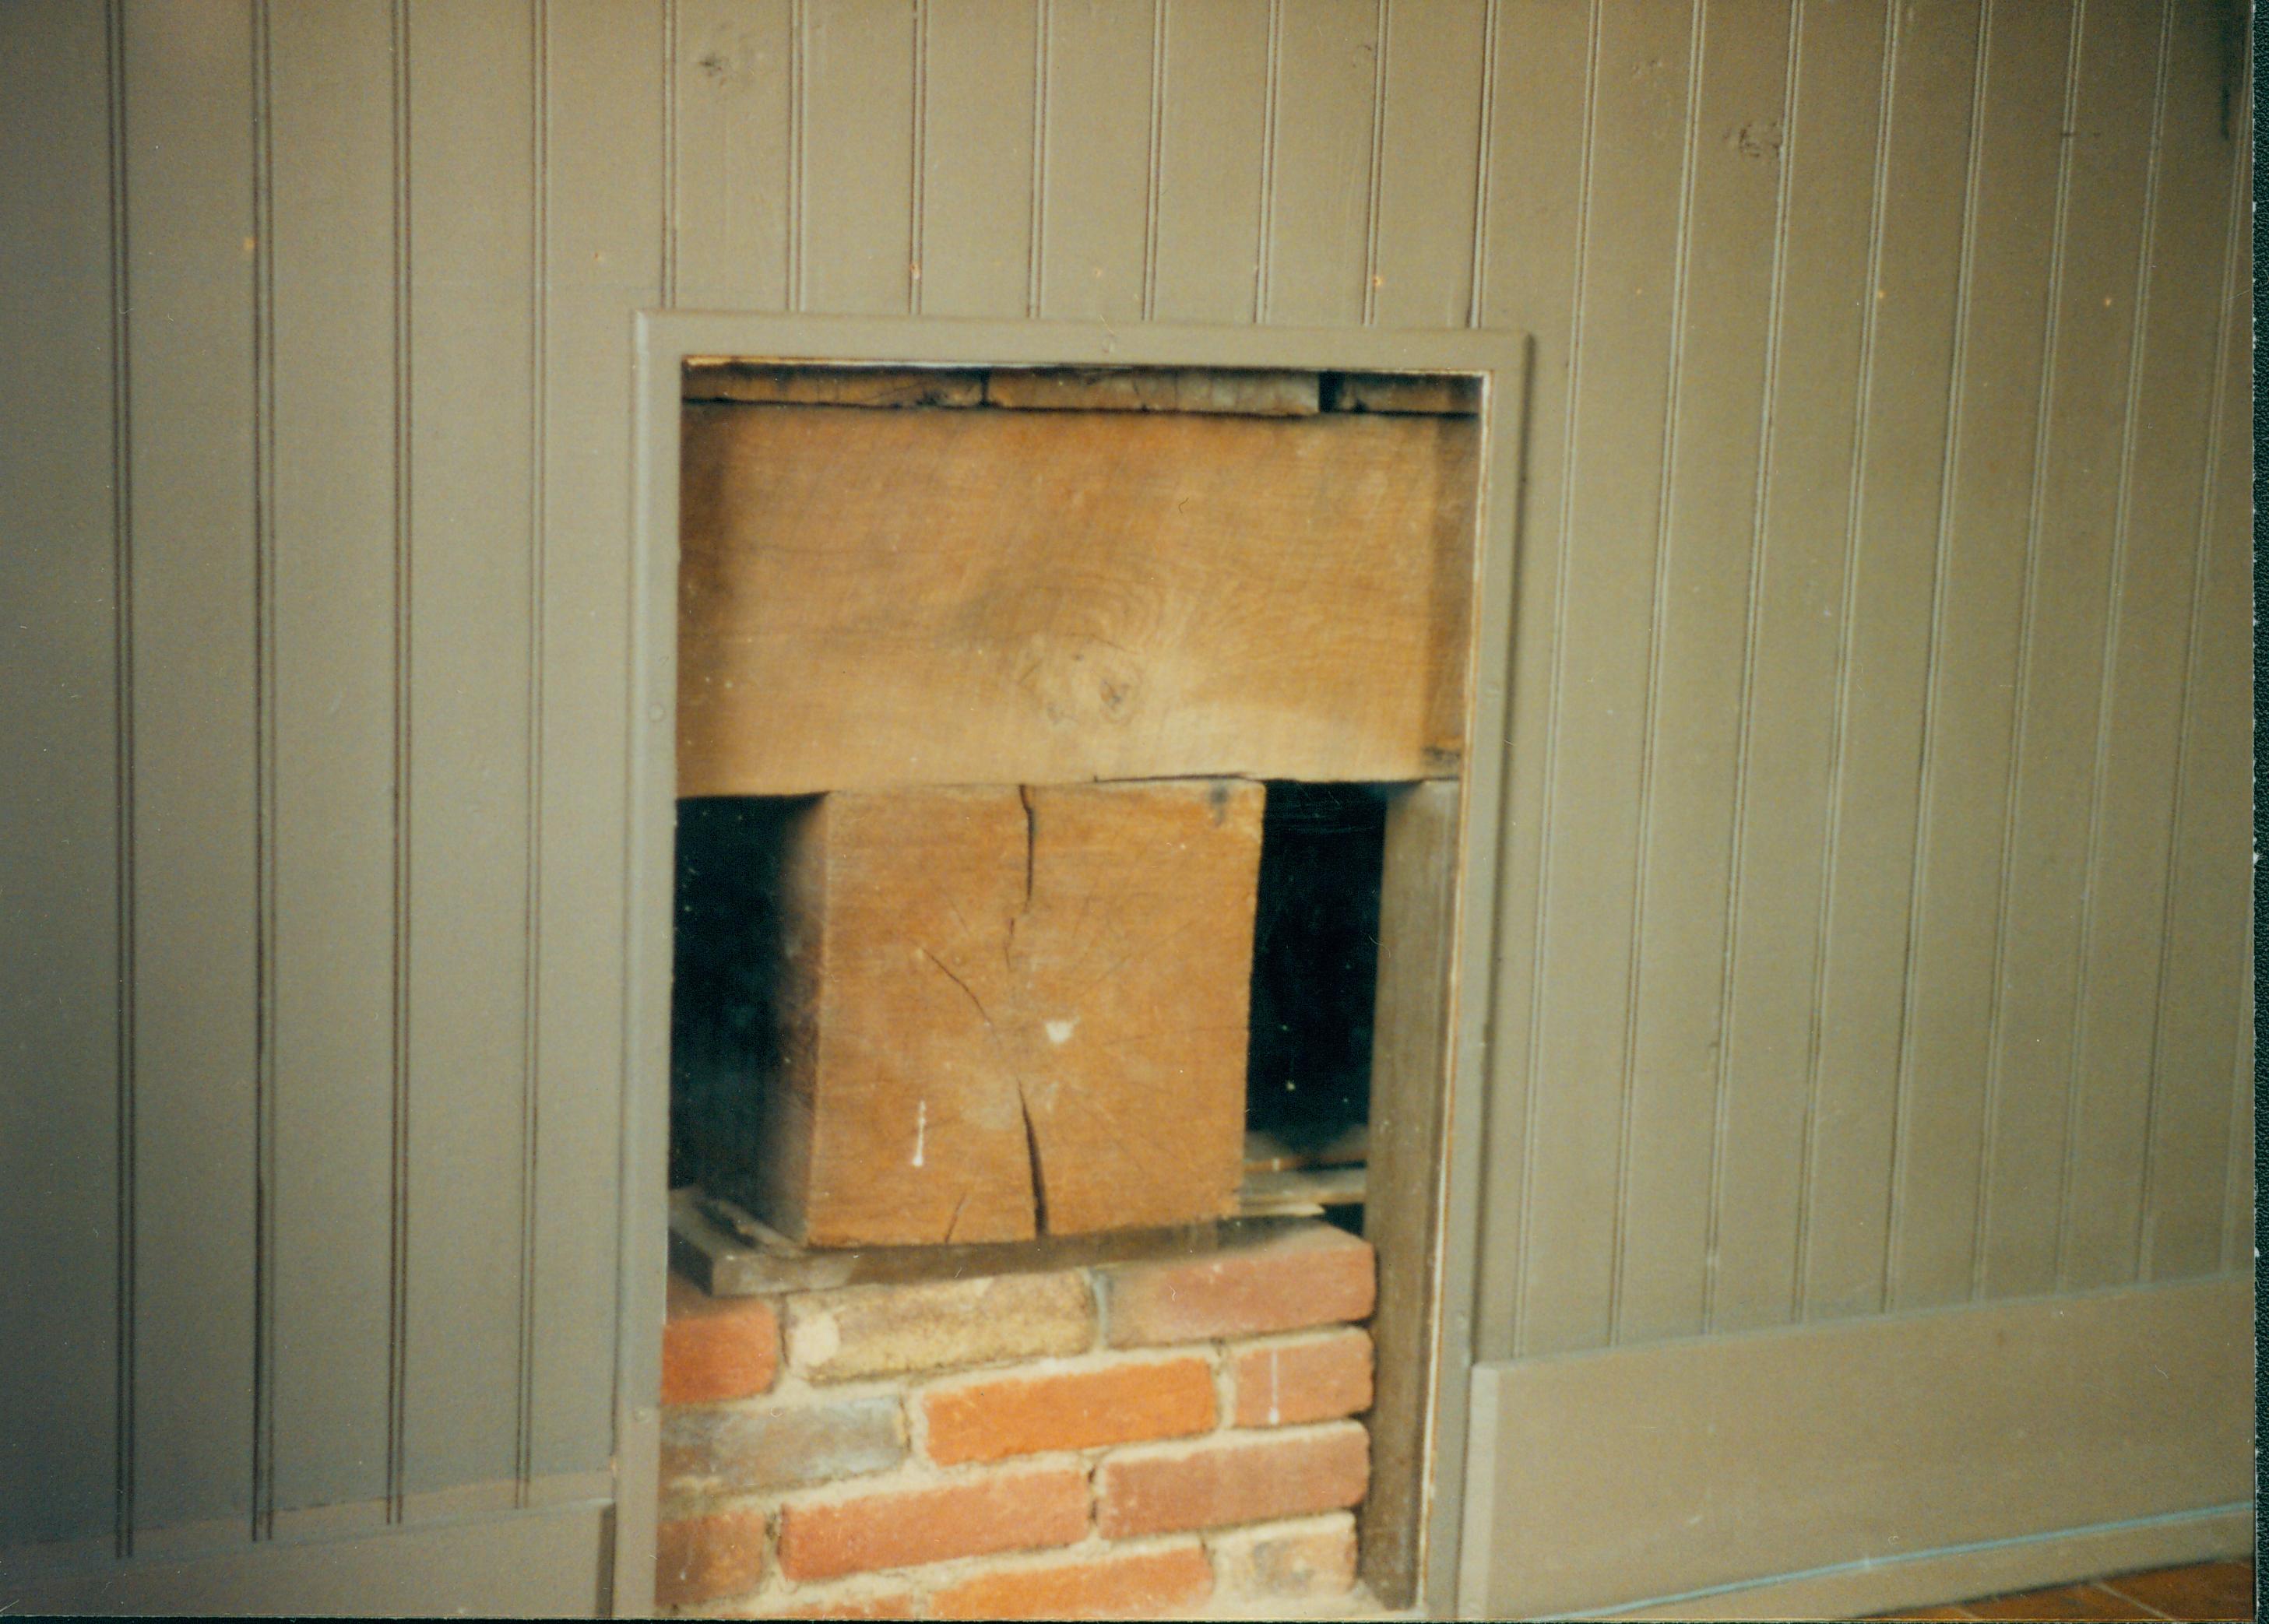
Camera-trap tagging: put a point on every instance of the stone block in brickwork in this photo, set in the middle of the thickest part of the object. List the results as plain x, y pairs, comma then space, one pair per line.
1289, 1279
903, 1528
861, 1332
1287, 1561
779, 1446
1299, 1379
1136, 1401
1221, 1482
702, 1558
1118, 1585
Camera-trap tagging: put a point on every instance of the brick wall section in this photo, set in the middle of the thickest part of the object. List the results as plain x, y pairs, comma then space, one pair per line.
1129, 1441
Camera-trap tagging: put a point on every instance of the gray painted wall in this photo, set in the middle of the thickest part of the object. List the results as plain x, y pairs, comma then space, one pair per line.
1876, 920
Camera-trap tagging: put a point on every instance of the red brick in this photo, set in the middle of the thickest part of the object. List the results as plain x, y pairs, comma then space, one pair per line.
1257, 1478
1131, 1403
1288, 1560
701, 1558
1018, 1511
737, 1450
1307, 1379
897, 1604
716, 1347
1121, 1586
1289, 1280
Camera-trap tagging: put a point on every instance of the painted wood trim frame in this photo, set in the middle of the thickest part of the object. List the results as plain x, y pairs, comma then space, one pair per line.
664, 341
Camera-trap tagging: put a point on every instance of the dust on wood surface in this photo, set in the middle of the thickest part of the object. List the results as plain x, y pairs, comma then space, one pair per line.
1008, 1012
946, 596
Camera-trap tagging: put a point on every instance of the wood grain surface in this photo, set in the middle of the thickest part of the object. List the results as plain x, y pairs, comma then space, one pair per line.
1005, 1012
972, 597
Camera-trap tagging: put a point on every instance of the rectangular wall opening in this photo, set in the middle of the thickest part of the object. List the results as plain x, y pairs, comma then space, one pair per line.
1068, 765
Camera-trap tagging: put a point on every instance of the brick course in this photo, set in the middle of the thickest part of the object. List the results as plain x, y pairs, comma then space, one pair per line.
714, 1349
786, 1446
1238, 1479
876, 1330
1128, 1584
1022, 1511
897, 1604
1137, 1402
699, 1558
1297, 1277
1211, 1441
1281, 1561
1284, 1384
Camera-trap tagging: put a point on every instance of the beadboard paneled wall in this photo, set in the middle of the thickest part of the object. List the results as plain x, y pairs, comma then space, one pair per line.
1875, 920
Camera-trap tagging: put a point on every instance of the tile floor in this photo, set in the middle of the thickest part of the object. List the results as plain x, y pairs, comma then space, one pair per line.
2206, 1590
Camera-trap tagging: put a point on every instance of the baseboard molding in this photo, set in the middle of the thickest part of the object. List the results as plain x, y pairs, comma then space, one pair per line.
1930, 1577
544, 1561
1864, 1464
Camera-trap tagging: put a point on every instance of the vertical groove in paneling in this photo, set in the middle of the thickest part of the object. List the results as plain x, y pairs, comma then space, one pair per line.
65, 1037
123, 700
2200, 928
1537, 192
918, 158
1095, 233
1831, 806
397, 1317
670, 146
1666, 538
532, 884
1210, 160
1484, 148
1904, 1106
331, 595
264, 823
1161, 21
1378, 172
799, 163
472, 274
1514, 1311
857, 96
1888, 659
1271, 100
1990, 1132
1044, 18
2076, 1182
977, 146
2056, 724
197, 880
1613, 504
122, 517
1319, 248
1427, 153
1707, 508
1815, 338
1752, 609
730, 197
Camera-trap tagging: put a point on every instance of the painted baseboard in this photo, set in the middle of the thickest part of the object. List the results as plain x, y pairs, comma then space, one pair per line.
1929, 1578
1865, 1464
544, 1561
